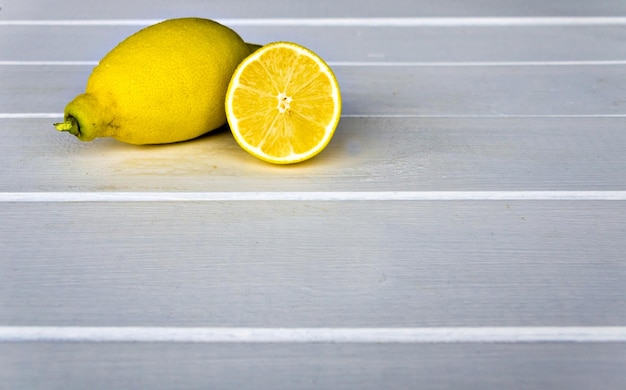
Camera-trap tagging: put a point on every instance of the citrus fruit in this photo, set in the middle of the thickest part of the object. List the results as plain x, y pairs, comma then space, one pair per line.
283, 103
165, 83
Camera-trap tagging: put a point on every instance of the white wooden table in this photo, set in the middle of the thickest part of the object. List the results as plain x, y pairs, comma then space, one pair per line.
464, 229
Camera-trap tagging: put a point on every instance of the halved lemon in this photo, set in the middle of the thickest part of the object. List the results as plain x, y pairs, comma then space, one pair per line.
283, 103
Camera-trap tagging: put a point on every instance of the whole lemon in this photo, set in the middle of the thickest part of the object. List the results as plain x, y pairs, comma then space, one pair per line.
166, 83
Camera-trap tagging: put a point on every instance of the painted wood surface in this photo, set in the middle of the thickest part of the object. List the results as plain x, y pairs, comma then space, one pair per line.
500, 123
308, 264
366, 154
314, 366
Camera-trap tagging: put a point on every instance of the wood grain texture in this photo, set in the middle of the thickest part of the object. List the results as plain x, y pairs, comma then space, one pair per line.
366, 154
503, 43
457, 116
285, 264
439, 367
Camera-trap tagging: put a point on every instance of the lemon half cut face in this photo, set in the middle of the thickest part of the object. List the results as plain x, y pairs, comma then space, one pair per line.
283, 103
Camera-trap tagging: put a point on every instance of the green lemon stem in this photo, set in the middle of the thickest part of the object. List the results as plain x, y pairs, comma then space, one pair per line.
70, 125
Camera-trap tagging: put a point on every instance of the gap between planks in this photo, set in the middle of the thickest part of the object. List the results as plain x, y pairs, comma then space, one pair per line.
313, 196
351, 22
313, 335
376, 63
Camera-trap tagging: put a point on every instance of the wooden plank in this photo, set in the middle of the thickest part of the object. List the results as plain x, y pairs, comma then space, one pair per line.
380, 90
462, 126
165, 366
310, 264
32, 9
366, 154
422, 44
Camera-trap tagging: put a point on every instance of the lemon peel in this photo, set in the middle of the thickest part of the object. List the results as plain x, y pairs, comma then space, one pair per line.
165, 83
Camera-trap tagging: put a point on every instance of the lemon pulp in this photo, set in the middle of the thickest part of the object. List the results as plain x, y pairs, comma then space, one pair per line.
283, 103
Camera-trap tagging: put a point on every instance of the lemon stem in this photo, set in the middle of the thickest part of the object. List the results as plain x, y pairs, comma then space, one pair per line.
70, 125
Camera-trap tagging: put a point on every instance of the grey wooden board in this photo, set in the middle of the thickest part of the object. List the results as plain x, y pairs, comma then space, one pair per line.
366, 154
430, 90
565, 43
267, 366
310, 264
72, 9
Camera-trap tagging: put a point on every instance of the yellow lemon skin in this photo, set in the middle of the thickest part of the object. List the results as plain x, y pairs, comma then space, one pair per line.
166, 83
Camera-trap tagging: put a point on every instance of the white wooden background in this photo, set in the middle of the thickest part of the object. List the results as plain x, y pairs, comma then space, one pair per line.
464, 229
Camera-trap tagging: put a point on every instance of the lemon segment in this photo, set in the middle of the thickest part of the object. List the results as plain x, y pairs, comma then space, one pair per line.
283, 103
